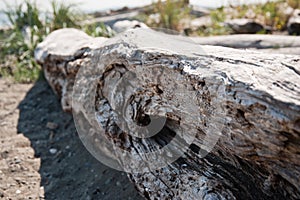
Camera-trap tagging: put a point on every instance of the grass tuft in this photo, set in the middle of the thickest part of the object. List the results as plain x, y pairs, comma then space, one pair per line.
17, 50
171, 13
64, 16
98, 30
17, 45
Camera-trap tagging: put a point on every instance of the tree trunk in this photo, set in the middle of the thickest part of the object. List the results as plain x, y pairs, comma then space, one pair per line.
238, 112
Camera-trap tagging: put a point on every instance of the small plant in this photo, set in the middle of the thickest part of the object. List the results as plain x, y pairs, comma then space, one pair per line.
27, 31
23, 15
171, 12
270, 14
64, 16
98, 30
18, 44
218, 16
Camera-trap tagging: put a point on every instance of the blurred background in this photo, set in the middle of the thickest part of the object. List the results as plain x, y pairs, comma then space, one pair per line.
23, 24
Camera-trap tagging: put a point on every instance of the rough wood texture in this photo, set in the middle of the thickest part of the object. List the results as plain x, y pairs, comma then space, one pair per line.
62, 53
258, 153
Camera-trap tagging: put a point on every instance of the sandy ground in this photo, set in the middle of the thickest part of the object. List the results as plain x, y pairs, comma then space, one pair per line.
41, 156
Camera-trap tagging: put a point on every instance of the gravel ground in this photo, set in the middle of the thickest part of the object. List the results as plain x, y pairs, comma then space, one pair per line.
41, 156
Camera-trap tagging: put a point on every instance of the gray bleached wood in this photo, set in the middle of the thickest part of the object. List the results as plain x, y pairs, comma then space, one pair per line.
250, 41
61, 54
258, 154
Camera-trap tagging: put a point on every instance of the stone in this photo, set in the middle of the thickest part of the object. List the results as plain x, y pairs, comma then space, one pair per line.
52, 125
124, 25
17, 160
244, 26
53, 151
200, 22
293, 25
249, 100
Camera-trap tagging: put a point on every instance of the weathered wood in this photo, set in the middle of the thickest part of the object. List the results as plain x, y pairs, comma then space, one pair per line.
286, 50
62, 53
250, 41
256, 95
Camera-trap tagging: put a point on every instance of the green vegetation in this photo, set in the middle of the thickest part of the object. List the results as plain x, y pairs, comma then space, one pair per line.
216, 27
171, 14
17, 45
98, 30
174, 13
27, 30
64, 16
271, 14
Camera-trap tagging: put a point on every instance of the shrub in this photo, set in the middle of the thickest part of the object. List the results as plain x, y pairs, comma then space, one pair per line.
18, 44
64, 16
27, 31
171, 12
270, 14
98, 30
218, 16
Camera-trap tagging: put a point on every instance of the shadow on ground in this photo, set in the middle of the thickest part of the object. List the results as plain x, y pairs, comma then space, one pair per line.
67, 170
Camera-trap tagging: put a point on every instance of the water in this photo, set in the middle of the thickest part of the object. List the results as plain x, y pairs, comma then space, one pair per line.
100, 5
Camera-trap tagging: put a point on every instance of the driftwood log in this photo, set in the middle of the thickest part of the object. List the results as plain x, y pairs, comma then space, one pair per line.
250, 41
256, 95
265, 43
